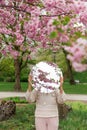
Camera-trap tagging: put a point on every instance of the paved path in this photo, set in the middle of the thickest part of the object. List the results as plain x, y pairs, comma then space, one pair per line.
70, 97
77, 97
11, 94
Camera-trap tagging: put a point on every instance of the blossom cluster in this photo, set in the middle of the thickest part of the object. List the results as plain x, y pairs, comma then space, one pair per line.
78, 54
46, 76
45, 23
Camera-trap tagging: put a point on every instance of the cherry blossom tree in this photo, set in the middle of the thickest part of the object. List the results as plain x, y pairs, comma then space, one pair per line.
27, 25
13, 39
69, 28
78, 49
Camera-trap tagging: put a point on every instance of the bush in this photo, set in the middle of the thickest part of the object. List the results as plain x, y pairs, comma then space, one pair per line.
1, 78
24, 79
16, 99
9, 79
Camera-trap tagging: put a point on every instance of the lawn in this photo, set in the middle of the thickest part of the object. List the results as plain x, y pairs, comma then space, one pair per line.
80, 88
77, 119
69, 89
24, 118
9, 86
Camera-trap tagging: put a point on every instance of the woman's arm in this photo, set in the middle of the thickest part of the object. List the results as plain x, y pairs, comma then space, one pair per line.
61, 96
29, 83
31, 95
61, 85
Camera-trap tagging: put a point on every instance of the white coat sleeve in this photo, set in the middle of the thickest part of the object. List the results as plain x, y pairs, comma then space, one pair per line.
31, 96
61, 98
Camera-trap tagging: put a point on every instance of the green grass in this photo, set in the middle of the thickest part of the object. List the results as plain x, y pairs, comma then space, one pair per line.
81, 76
69, 89
9, 86
24, 118
75, 89
77, 119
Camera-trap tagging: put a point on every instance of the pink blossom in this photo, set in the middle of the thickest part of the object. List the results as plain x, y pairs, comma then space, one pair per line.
70, 57
19, 39
9, 47
23, 48
82, 41
4, 52
54, 6
5, 31
79, 67
31, 28
2, 2
26, 24
63, 38
35, 11
32, 1
80, 6
67, 48
14, 54
78, 56
83, 18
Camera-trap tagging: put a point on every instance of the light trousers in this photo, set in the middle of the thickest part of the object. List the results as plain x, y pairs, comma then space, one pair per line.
50, 123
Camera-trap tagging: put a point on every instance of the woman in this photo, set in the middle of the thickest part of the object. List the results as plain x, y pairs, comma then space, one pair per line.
46, 113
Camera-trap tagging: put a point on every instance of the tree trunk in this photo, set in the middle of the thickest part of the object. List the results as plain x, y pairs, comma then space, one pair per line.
72, 81
17, 85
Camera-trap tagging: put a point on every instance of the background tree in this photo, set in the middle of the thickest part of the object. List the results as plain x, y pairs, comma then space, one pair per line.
13, 39
6, 69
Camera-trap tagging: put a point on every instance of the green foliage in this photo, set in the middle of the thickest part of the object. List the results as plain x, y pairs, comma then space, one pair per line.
24, 78
44, 55
6, 66
47, 55
16, 99
65, 20
24, 74
32, 62
53, 34
78, 34
6, 69
77, 119
56, 22
24, 118
60, 30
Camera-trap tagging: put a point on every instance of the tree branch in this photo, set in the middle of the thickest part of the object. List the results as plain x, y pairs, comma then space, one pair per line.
16, 8
19, 9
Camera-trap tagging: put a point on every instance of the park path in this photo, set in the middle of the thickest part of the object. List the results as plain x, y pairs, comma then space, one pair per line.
70, 97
